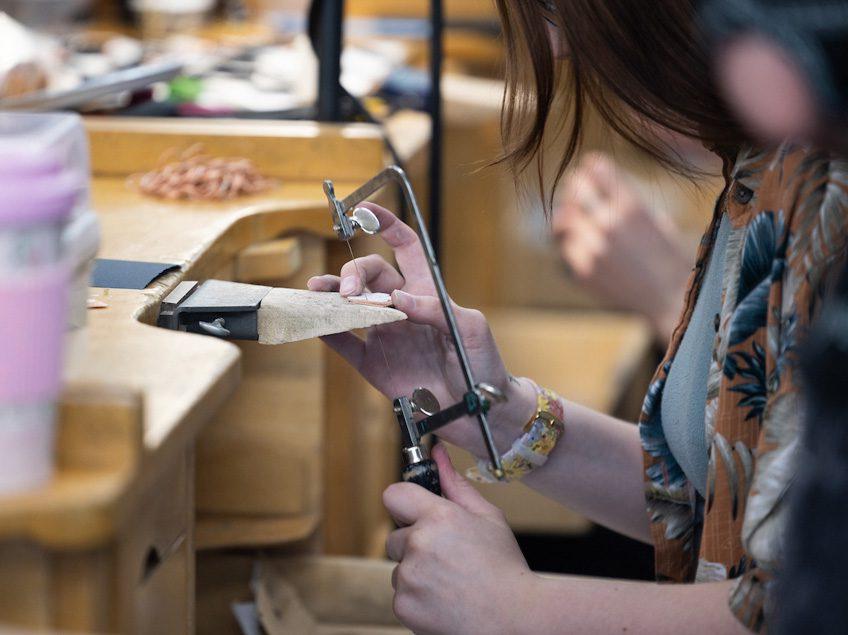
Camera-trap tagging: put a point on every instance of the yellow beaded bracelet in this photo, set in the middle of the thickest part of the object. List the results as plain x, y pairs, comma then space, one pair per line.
530, 451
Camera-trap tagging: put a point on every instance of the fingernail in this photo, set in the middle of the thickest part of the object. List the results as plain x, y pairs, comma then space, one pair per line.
311, 282
347, 286
402, 299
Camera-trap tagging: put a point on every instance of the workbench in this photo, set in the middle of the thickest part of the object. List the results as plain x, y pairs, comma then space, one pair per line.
109, 544
175, 449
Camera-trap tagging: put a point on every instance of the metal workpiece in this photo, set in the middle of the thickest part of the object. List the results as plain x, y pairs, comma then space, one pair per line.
477, 400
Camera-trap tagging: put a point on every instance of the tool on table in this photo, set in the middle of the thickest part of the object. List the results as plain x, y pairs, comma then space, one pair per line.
238, 311
95, 91
479, 397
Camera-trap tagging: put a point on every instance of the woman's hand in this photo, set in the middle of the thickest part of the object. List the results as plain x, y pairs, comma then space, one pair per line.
460, 572
617, 248
419, 350
460, 569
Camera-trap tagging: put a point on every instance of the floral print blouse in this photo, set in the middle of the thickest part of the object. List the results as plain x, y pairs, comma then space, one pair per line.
788, 209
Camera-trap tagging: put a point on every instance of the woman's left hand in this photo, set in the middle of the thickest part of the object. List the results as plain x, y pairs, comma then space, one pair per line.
460, 569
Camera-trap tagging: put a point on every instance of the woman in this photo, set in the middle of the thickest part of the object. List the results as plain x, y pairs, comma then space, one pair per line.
712, 456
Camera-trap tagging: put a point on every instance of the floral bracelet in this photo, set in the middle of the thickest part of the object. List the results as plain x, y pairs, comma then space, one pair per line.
531, 450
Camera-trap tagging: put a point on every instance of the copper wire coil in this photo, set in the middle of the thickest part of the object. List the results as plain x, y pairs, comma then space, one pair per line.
196, 176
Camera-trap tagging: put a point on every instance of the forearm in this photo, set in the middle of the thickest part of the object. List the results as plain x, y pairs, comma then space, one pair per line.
596, 468
568, 604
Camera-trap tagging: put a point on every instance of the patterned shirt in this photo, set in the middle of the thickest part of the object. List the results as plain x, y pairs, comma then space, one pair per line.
788, 209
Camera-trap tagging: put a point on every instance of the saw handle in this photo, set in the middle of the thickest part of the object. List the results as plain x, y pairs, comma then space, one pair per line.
424, 473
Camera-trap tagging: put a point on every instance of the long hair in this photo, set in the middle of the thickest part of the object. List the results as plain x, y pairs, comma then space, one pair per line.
636, 61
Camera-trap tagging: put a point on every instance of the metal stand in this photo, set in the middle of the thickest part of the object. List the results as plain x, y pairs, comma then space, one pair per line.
330, 19
436, 50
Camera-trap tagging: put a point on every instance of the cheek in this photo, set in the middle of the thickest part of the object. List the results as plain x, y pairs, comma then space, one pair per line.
559, 46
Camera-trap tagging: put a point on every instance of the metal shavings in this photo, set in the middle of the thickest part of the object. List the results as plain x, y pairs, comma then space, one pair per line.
196, 176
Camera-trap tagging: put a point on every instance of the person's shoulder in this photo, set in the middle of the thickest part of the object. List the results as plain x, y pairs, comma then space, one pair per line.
795, 181
812, 192
814, 185
785, 163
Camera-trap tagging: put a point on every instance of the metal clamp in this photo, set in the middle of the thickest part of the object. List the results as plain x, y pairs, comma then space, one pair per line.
214, 307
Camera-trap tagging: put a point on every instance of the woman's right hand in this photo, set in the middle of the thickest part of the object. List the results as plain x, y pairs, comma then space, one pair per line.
419, 351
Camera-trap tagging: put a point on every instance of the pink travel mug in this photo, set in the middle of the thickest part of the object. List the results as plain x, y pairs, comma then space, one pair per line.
37, 195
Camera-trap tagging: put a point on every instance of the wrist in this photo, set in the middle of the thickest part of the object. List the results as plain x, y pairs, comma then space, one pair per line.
531, 446
508, 419
531, 612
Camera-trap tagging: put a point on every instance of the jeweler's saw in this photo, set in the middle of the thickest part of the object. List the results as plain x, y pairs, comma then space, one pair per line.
409, 410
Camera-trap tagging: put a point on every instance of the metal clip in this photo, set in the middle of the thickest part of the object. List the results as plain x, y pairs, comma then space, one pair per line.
216, 328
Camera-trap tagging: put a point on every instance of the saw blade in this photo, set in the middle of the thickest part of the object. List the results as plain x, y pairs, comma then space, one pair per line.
376, 328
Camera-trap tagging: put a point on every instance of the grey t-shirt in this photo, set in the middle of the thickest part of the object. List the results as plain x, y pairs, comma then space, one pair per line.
684, 399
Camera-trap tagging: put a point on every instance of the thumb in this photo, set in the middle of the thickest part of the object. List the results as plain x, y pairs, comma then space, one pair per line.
457, 488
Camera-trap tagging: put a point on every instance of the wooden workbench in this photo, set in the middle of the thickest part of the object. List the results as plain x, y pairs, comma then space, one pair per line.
172, 443
109, 544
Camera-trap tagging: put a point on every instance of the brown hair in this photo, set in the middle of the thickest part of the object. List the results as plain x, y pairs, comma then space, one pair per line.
645, 55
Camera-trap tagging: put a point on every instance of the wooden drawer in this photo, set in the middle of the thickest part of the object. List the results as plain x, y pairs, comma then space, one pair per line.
155, 556
259, 462
262, 454
297, 594
142, 583
164, 602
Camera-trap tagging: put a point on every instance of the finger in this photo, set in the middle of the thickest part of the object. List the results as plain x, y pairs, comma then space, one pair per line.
583, 237
599, 169
396, 543
587, 196
427, 310
581, 256
407, 503
577, 188
457, 488
407, 248
566, 219
370, 271
583, 227
422, 309
613, 184
323, 283
349, 346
